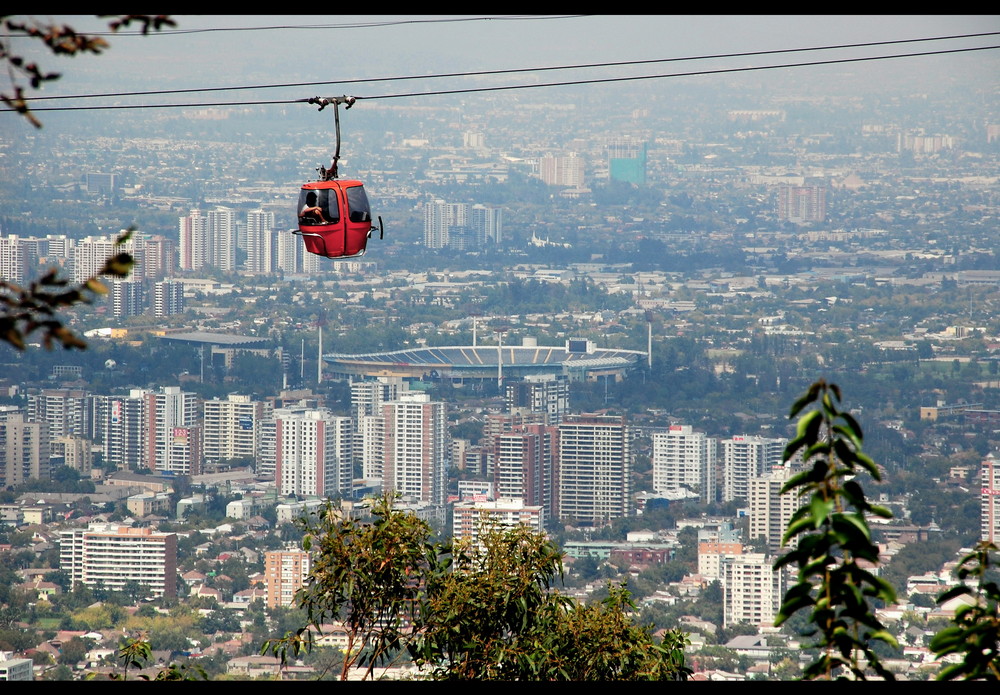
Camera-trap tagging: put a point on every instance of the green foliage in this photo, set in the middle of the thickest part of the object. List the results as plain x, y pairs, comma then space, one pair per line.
833, 539
23, 310
136, 653
480, 612
975, 629
368, 575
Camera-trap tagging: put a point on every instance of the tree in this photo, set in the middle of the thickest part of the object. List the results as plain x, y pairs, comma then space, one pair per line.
483, 611
60, 40
975, 629
23, 310
833, 539
367, 575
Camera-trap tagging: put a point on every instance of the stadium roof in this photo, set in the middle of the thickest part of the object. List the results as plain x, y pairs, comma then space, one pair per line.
484, 361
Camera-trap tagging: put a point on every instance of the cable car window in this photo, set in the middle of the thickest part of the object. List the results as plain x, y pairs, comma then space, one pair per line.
315, 207
357, 204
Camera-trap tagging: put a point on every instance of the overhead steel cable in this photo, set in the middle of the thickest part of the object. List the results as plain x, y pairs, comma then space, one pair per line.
470, 90
508, 71
347, 25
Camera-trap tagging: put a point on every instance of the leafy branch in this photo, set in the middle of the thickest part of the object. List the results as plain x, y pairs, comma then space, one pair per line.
975, 629
833, 540
24, 310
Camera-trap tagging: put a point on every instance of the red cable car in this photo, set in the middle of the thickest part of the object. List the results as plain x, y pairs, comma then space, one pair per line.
335, 220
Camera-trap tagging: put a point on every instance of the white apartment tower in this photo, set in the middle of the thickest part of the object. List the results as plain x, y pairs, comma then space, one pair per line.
684, 460
222, 232
314, 453
771, 511
471, 518
194, 247
111, 556
990, 500
260, 246
173, 436
127, 298
745, 457
120, 427
594, 469
416, 448
751, 590
232, 427
67, 411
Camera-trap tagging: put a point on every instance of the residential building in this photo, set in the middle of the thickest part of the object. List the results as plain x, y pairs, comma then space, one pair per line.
745, 457
261, 240
66, 411
593, 478
990, 500
567, 171
285, 572
127, 298
770, 511
523, 463
12, 669
314, 453
232, 427
112, 556
800, 204
416, 448
470, 519
24, 451
685, 461
168, 298
539, 393
120, 429
173, 431
751, 590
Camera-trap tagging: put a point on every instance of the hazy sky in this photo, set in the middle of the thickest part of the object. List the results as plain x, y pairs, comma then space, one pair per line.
425, 44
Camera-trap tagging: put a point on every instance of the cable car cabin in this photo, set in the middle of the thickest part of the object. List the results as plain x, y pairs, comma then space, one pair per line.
335, 219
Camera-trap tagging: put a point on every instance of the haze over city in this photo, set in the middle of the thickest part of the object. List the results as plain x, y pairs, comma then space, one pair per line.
648, 231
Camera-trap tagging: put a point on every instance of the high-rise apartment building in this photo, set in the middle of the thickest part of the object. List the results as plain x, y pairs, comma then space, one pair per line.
222, 233
745, 457
416, 448
261, 240
800, 204
751, 590
523, 463
232, 427
684, 460
285, 572
120, 428
565, 171
112, 556
539, 393
593, 478
194, 245
67, 411
770, 511
89, 255
470, 519
314, 453
168, 298
18, 259
127, 298
24, 451
173, 431
990, 500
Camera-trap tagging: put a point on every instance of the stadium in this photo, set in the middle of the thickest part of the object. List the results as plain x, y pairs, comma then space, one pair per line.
577, 360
